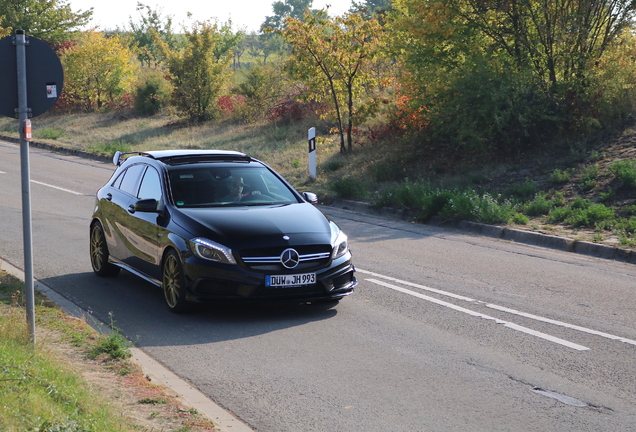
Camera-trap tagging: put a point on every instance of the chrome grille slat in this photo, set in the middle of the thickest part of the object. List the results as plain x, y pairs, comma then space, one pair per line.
275, 260
310, 258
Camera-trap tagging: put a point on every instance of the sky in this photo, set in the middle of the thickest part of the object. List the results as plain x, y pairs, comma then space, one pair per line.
245, 14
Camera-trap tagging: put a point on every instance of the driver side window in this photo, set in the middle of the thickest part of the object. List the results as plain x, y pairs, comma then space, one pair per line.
150, 185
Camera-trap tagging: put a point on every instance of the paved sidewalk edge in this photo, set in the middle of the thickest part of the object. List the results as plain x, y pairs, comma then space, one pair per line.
160, 375
510, 234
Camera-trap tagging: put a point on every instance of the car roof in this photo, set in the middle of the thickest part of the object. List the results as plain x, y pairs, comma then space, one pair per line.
176, 157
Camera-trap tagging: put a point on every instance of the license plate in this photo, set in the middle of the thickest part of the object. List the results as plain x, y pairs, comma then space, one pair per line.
290, 280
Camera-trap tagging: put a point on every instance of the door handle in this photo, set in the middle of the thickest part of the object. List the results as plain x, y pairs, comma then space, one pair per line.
131, 209
109, 197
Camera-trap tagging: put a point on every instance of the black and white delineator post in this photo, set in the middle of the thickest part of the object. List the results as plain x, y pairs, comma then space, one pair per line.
312, 152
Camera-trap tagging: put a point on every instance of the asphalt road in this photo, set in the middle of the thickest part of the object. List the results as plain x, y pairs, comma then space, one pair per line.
446, 332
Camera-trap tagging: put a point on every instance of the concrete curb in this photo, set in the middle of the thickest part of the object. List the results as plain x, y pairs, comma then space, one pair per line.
509, 234
59, 149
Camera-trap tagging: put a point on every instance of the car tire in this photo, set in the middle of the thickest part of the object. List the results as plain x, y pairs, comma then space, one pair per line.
99, 252
173, 283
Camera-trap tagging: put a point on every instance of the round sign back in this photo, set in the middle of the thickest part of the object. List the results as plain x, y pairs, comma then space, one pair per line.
44, 76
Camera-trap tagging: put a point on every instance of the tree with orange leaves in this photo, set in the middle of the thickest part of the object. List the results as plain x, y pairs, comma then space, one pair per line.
333, 57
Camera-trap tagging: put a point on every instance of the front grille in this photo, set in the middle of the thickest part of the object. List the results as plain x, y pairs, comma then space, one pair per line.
311, 257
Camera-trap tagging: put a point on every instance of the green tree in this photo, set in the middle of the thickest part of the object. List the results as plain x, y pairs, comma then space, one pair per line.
3, 31
371, 8
50, 20
333, 56
98, 69
200, 71
264, 45
286, 9
152, 93
142, 38
504, 75
262, 87
559, 38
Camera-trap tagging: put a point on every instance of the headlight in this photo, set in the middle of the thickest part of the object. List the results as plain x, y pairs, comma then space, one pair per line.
340, 244
209, 250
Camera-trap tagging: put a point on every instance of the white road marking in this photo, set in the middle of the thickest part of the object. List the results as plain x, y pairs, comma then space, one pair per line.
562, 324
504, 309
2, 172
56, 187
414, 285
507, 324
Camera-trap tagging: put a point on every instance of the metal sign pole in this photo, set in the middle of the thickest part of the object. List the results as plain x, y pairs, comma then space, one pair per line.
23, 112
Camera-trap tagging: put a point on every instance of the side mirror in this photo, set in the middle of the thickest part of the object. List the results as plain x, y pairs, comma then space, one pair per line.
310, 197
146, 205
117, 158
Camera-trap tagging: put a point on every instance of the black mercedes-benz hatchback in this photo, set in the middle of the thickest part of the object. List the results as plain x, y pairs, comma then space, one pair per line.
210, 225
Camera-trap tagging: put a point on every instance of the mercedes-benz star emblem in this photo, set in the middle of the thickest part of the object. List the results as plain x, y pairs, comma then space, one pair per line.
289, 258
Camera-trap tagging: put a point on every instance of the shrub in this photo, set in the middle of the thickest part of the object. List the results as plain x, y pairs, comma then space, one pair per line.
582, 212
543, 203
560, 214
350, 188
560, 176
152, 94
485, 208
539, 206
333, 165
625, 173
458, 207
626, 226
408, 195
588, 177
591, 215
489, 209
607, 196
520, 219
580, 203
524, 191
289, 111
261, 88
386, 171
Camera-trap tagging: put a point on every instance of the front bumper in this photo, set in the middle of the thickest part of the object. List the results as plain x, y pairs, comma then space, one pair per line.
240, 285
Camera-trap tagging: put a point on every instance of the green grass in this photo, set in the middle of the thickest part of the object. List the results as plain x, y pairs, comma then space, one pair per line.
49, 133
38, 392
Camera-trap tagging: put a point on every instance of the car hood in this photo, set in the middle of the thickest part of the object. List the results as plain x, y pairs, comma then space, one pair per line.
302, 222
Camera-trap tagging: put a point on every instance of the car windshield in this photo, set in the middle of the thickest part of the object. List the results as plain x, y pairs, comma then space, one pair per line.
219, 186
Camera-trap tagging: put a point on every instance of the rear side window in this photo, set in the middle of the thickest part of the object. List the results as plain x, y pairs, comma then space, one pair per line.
130, 181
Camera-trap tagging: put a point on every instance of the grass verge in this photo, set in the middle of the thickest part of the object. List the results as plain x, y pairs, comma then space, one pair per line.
75, 379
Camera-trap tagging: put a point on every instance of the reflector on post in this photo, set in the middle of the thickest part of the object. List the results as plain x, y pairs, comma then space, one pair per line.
312, 152
27, 130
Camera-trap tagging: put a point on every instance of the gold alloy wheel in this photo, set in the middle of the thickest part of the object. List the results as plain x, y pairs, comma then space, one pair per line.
172, 288
98, 249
